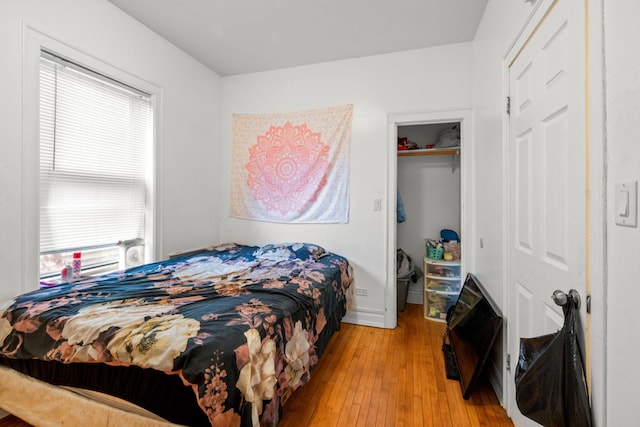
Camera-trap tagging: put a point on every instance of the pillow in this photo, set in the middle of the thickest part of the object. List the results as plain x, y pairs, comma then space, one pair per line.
289, 251
305, 251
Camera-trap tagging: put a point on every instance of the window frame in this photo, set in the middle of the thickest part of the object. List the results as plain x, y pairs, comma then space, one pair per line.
110, 186
36, 41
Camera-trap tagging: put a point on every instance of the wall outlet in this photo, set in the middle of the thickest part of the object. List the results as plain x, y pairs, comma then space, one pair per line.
361, 292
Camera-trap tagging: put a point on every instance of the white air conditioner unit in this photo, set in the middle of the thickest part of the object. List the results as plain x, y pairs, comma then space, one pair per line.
131, 253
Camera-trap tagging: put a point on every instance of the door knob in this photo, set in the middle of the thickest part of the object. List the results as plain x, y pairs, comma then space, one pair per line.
561, 298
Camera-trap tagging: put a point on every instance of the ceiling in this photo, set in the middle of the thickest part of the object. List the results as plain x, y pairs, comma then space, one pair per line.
245, 36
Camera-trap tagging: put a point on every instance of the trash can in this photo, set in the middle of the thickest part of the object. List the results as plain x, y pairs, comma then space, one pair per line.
402, 293
405, 272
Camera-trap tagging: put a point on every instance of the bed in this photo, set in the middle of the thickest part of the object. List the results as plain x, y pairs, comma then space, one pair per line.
222, 337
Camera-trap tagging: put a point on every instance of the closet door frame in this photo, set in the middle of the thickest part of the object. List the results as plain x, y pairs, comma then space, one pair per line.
464, 116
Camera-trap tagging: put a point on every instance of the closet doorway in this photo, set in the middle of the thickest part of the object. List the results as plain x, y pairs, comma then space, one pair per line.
431, 183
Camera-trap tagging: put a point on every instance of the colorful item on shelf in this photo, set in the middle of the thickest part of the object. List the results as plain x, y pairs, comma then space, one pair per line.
453, 248
435, 249
405, 144
449, 235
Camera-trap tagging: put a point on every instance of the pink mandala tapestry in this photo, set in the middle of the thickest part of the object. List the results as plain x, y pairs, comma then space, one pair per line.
292, 167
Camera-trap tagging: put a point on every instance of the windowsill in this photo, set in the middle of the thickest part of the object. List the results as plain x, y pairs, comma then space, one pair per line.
49, 283
88, 273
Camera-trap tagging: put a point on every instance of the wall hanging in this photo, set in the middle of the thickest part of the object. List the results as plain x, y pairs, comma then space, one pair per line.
292, 167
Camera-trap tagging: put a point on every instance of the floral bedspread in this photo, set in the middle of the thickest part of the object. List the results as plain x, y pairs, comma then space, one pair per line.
243, 325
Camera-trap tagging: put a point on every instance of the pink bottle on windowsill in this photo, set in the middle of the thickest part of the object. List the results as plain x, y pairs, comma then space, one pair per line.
66, 274
77, 265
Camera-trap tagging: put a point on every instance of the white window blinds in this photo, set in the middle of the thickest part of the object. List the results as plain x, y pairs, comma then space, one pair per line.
94, 136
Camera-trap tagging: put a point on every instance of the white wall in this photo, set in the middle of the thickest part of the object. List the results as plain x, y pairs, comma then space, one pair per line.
622, 44
187, 132
416, 81
500, 26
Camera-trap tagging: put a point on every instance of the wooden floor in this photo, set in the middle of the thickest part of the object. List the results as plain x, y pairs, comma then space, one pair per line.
380, 377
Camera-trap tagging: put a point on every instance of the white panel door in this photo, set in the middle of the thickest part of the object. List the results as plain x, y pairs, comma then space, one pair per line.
547, 184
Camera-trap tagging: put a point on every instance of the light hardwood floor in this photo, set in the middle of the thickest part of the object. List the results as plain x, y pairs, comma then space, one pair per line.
380, 377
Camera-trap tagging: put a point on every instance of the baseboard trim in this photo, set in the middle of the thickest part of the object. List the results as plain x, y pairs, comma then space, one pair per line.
365, 317
495, 379
415, 296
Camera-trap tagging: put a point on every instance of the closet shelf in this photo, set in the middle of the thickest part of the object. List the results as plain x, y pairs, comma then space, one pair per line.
430, 152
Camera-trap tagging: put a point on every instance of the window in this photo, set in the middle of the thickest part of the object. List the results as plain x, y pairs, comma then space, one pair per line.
95, 134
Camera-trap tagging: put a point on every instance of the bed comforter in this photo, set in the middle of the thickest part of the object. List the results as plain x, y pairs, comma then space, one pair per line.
243, 326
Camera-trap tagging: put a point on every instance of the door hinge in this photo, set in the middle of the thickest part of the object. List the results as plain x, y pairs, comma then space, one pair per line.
508, 362
508, 105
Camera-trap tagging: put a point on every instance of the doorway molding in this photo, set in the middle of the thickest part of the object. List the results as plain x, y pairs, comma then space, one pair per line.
464, 116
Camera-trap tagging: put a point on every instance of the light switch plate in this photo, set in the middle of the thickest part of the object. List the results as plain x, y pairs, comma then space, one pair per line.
626, 206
